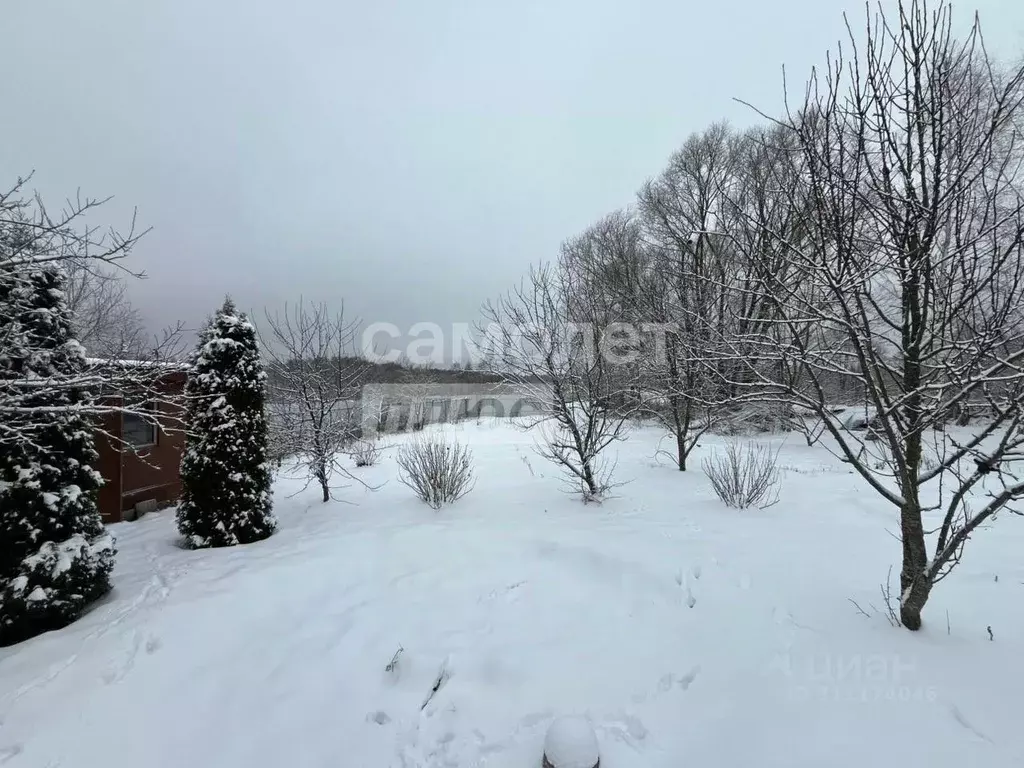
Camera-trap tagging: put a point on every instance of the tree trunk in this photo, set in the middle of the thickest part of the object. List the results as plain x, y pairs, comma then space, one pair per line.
914, 582
679, 424
915, 586
588, 478
323, 478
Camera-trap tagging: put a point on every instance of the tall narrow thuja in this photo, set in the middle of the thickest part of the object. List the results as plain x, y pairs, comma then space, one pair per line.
225, 475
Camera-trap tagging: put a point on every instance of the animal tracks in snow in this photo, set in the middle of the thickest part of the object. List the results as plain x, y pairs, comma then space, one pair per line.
685, 583
667, 683
508, 593
686, 680
9, 753
120, 669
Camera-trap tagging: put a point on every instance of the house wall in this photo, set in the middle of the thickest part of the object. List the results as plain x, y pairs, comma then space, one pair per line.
109, 466
148, 473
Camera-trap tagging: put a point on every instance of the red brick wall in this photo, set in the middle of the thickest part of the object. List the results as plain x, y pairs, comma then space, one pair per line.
149, 473
109, 465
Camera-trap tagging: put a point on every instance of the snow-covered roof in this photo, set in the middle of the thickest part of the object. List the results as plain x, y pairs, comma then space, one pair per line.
168, 365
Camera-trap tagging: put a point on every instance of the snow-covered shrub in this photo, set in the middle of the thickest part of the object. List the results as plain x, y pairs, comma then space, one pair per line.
744, 476
225, 472
55, 556
365, 452
439, 470
53, 585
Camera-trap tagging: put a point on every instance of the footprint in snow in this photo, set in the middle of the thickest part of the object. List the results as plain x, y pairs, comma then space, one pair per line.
681, 582
687, 680
627, 728
529, 721
668, 680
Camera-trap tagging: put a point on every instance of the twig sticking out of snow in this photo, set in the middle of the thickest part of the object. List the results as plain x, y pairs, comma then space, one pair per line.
442, 677
891, 615
393, 664
860, 610
890, 607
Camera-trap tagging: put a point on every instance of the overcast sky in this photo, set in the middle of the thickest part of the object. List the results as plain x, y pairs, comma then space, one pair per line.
411, 158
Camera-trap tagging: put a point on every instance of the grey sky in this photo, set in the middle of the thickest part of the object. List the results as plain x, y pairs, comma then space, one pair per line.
411, 158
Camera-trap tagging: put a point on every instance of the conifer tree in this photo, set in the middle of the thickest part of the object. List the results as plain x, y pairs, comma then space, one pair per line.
55, 555
225, 474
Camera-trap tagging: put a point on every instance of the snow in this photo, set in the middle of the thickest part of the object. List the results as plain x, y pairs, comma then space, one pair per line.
72, 492
381, 634
175, 365
571, 743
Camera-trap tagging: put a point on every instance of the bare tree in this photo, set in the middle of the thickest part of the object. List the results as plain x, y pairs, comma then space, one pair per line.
314, 387
34, 238
680, 211
549, 347
910, 278
105, 322
764, 193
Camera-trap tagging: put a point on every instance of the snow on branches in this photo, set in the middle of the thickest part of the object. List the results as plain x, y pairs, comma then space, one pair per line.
225, 474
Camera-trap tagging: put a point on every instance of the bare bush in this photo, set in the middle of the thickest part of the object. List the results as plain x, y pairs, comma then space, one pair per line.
439, 470
365, 452
745, 475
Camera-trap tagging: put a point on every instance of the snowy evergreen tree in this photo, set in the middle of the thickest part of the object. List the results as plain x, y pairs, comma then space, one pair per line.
55, 556
225, 474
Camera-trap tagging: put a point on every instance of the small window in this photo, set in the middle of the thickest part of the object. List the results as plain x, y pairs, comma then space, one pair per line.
137, 431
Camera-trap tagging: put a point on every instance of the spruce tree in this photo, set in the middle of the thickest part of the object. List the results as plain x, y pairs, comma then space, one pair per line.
225, 474
55, 556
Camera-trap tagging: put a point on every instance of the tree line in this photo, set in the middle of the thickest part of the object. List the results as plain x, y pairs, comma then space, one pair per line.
864, 248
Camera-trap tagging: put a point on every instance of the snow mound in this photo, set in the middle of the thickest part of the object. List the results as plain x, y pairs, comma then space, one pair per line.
570, 743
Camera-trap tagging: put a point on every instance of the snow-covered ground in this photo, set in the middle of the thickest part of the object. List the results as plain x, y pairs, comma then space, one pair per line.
688, 633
